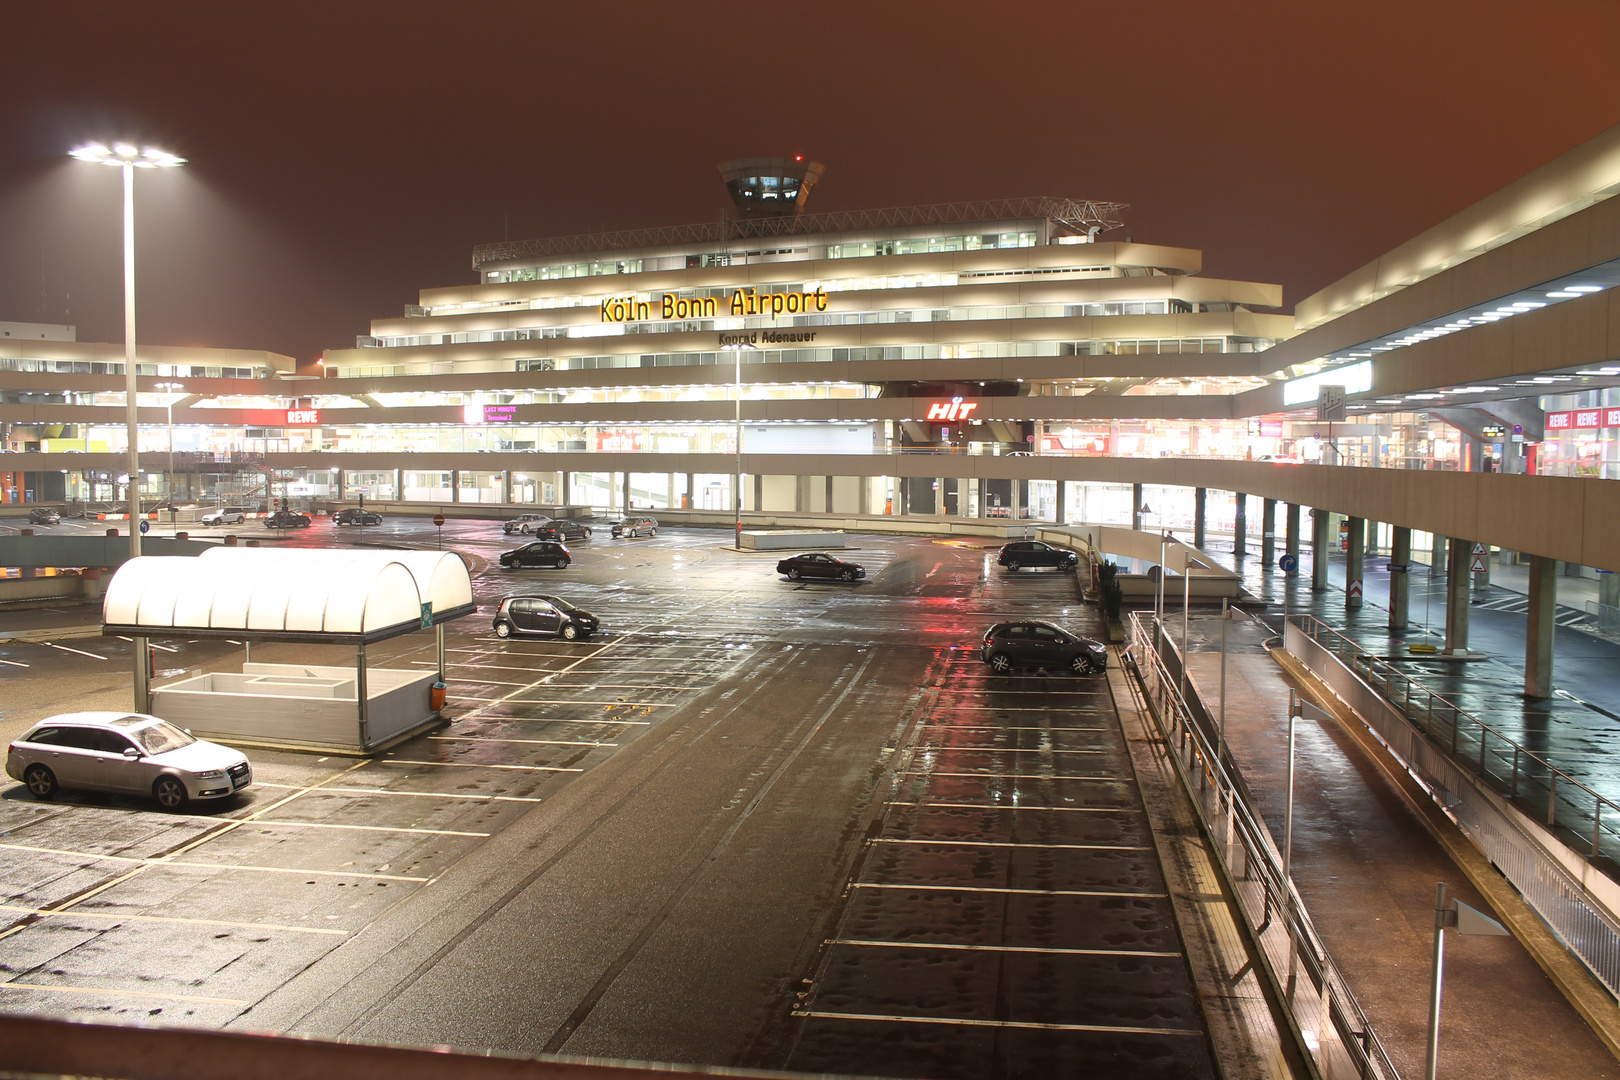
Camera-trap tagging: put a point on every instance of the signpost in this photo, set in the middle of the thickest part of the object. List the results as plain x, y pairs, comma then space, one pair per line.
438, 523
1457, 916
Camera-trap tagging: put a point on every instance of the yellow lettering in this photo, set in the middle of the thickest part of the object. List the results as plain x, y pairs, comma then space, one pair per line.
709, 309
643, 309
821, 299
669, 306
795, 302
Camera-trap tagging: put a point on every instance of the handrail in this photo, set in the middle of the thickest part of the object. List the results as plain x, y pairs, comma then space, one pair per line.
1468, 740
1323, 1014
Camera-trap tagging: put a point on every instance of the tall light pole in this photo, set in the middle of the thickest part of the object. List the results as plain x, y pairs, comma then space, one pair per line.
128, 157
736, 491
168, 488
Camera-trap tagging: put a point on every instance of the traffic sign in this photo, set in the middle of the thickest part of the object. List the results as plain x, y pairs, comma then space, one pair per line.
146, 526
1355, 590
438, 519
1288, 564
1479, 562
1397, 568
427, 616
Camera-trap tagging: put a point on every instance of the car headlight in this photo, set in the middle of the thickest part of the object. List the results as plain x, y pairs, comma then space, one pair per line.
211, 774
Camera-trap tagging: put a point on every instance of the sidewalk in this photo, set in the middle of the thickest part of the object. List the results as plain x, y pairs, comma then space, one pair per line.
1366, 867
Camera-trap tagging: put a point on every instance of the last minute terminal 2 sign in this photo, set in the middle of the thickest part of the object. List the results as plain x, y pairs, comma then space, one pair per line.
743, 303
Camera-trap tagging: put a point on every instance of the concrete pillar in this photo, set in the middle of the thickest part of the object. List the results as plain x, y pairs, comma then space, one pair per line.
964, 497
1355, 565
506, 485
1200, 515
689, 500
565, 492
1320, 542
1240, 526
827, 494
1457, 596
1400, 578
1540, 627
626, 501
455, 485
399, 485
1291, 537
1438, 547
939, 495
759, 492
1136, 507
1609, 588
1017, 506
1372, 538
1268, 532
1062, 514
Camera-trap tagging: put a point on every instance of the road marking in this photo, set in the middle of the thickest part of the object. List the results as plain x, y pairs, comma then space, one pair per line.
548, 720
1009, 891
1002, 948
478, 765
413, 794
367, 828
1007, 844
998, 727
141, 864
932, 748
560, 701
13, 663
1019, 1024
1012, 776
538, 742
83, 913
1011, 708
121, 993
81, 652
1024, 806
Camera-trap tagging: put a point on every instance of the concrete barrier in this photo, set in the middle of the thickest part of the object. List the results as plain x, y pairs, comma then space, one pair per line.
789, 539
16, 593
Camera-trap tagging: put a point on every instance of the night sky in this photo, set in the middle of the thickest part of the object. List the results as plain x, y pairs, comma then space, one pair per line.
345, 155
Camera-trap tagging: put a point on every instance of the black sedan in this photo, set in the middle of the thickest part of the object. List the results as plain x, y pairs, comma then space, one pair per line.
1024, 553
543, 615
44, 515
819, 564
562, 530
539, 553
1041, 645
287, 519
355, 516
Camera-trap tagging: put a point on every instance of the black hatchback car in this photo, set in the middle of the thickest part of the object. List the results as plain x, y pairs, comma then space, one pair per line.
562, 530
539, 553
287, 519
1023, 553
44, 515
1040, 644
543, 615
820, 564
355, 516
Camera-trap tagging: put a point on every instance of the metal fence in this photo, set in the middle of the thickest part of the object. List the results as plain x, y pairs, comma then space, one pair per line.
1322, 1013
1476, 774
1605, 617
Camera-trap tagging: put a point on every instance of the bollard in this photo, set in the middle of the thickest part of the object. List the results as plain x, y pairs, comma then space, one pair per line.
182, 536
230, 540
252, 543
28, 532
112, 532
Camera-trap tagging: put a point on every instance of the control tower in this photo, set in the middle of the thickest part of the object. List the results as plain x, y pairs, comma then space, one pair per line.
770, 187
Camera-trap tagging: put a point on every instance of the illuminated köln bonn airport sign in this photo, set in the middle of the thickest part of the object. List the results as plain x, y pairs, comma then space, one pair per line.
743, 303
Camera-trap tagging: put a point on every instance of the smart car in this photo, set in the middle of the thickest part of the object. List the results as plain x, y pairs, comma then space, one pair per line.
543, 615
225, 515
129, 753
1041, 645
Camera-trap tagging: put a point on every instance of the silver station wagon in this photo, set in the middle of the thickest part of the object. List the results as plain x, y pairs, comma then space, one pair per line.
128, 753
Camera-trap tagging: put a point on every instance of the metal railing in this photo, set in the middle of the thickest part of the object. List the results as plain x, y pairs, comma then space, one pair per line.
1605, 617
1588, 822
1497, 791
1323, 1014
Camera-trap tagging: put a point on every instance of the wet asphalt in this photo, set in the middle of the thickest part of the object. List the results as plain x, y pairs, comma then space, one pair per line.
753, 822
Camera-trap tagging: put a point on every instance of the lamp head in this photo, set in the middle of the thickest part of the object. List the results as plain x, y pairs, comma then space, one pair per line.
123, 153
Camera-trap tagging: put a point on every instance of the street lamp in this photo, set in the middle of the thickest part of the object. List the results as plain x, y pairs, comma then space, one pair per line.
169, 487
128, 157
737, 497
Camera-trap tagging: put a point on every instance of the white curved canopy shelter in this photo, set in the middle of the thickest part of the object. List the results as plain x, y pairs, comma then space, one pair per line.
353, 597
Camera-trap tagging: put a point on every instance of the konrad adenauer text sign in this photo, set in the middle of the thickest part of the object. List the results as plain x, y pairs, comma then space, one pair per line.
744, 302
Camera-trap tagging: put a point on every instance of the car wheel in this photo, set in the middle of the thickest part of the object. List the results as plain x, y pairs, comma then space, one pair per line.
1000, 664
169, 792
1012, 564
847, 575
570, 632
1081, 664
562, 564
653, 532
41, 781
793, 573
503, 629
524, 529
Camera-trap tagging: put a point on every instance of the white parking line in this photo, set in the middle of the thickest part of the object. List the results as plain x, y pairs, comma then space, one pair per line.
165, 861
537, 742
932, 748
87, 913
1024, 806
1002, 948
1014, 892
1012, 776
477, 765
122, 993
970, 727
1022, 1025
81, 652
14, 663
548, 720
367, 828
413, 794
1005, 844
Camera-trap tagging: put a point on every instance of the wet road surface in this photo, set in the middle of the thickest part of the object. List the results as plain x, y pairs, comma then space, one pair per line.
640, 846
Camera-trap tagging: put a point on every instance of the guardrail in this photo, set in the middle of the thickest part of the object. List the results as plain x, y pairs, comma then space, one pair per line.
1476, 774
1322, 1013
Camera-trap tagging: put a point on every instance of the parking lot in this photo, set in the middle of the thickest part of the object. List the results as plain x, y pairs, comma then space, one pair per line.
747, 814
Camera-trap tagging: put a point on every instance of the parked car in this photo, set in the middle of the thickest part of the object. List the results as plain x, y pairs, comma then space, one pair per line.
543, 615
44, 515
1024, 553
524, 523
820, 564
563, 530
539, 553
287, 519
355, 516
1040, 644
225, 515
635, 526
130, 753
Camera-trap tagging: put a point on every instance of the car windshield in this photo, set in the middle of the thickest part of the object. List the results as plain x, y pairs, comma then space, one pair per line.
160, 738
